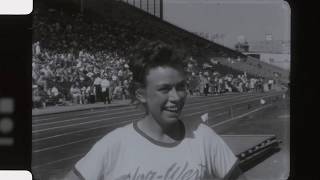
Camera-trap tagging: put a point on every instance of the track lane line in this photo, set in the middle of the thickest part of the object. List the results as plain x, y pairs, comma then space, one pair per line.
240, 116
71, 125
188, 115
132, 107
75, 119
118, 123
57, 161
87, 113
79, 131
214, 125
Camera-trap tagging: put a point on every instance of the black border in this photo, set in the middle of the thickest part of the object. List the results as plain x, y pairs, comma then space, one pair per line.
15, 82
304, 73
304, 158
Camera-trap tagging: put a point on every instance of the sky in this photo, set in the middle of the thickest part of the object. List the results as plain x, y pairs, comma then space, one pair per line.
251, 19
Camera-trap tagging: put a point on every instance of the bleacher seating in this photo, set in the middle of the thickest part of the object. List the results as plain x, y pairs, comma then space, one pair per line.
73, 48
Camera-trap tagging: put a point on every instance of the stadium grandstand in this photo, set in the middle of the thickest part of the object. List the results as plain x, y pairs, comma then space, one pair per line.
78, 43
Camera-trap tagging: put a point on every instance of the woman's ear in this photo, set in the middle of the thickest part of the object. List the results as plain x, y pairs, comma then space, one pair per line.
141, 95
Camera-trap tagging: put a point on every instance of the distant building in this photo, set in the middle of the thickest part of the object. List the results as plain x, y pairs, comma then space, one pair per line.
275, 52
242, 47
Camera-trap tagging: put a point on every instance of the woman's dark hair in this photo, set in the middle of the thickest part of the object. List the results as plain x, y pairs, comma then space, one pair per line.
150, 54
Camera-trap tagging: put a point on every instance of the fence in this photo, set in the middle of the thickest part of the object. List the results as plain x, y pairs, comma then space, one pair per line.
241, 109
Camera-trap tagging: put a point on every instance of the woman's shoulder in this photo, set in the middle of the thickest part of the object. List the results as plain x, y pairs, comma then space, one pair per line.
199, 128
206, 131
117, 136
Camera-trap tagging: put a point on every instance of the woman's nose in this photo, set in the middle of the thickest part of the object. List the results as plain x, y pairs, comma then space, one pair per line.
173, 95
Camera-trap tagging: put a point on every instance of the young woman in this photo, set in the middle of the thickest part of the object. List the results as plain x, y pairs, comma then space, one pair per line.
160, 146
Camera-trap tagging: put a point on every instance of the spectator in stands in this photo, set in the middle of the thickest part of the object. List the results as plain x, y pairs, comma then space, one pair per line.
270, 84
259, 85
97, 86
125, 88
40, 96
76, 94
84, 95
265, 85
36, 48
105, 87
215, 86
206, 89
90, 93
41, 81
117, 91
252, 84
55, 95
37, 98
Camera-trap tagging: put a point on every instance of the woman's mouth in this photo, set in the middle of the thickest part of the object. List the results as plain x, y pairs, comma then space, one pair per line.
173, 109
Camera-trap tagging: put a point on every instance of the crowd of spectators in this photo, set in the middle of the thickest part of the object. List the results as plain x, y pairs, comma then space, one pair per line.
209, 81
81, 79
78, 59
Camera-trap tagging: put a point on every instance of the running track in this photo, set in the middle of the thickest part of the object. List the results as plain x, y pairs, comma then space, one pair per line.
59, 140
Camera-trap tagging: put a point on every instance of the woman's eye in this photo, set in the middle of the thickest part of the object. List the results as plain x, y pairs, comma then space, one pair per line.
164, 89
181, 87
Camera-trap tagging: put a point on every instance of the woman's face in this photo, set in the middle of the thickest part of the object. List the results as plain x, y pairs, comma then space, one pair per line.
165, 94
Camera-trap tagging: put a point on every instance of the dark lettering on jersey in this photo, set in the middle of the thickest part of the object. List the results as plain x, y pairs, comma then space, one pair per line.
174, 172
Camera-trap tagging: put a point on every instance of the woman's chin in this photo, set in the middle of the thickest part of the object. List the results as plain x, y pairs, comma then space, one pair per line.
171, 117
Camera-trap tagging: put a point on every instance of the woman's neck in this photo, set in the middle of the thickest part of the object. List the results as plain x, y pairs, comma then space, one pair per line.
163, 133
